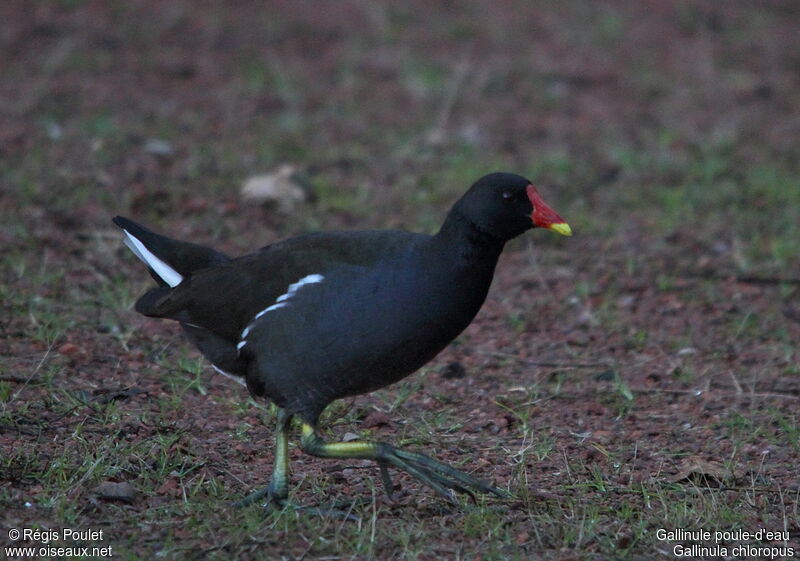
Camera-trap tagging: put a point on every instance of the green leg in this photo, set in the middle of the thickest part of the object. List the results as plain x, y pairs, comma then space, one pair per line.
277, 492
278, 489
442, 478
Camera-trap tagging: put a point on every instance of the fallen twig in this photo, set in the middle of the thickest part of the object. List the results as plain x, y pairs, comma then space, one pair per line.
751, 279
548, 363
722, 393
20, 380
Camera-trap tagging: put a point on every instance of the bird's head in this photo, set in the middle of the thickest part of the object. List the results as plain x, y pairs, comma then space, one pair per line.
505, 205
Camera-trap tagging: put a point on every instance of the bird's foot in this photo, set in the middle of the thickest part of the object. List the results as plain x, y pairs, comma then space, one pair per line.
442, 478
258, 495
445, 480
341, 510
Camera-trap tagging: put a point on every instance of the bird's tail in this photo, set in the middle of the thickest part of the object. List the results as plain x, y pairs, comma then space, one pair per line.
169, 261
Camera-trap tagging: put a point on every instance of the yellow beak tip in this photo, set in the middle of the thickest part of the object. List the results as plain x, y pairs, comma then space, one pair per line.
562, 228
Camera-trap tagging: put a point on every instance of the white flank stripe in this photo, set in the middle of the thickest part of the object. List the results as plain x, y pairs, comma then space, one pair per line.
310, 279
264, 311
237, 379
167, 273
280, 302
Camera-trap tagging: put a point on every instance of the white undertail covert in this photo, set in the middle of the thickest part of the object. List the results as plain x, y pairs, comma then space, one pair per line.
164, 271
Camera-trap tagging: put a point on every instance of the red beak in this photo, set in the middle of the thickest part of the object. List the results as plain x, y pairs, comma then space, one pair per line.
545, 217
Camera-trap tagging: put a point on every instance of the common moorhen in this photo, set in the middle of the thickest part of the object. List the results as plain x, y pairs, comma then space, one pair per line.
326, 315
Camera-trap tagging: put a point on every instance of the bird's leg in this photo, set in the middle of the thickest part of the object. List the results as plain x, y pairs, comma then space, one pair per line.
277, 492
278, 489
442, 478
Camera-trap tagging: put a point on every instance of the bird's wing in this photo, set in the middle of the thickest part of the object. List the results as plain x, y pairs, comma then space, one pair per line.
225, 297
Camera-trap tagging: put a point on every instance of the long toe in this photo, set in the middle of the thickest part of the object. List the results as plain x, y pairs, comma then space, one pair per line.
459, 480
341, 510
440, 477
255, 497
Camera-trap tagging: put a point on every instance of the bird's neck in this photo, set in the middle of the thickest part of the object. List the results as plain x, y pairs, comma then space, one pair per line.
471, 246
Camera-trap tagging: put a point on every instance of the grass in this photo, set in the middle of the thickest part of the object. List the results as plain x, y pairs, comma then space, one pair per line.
574, 523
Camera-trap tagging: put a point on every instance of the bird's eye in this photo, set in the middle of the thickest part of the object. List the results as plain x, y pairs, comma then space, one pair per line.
508, 195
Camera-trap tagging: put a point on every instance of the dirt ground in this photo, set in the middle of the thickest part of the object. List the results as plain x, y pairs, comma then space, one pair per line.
641, 376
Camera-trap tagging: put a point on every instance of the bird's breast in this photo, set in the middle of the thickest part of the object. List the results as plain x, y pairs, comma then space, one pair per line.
363, 328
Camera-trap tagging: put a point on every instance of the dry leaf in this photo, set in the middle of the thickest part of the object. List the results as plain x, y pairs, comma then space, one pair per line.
116, 491
702, 471
276, 189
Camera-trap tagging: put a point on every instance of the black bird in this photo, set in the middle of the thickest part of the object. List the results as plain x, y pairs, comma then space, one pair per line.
326, 315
